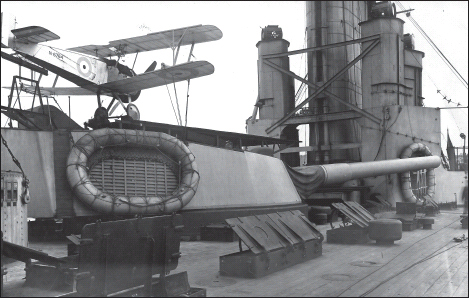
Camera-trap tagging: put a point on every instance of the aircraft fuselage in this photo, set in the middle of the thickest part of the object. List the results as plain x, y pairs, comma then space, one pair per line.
81, 69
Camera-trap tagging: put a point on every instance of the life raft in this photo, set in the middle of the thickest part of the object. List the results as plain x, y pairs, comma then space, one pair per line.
103, 202
415, 150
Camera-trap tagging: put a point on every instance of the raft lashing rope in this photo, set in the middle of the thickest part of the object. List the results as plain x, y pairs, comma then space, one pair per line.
169, 149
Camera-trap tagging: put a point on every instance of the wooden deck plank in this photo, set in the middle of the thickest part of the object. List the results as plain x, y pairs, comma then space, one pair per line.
462, 290
410, 277
463, 271
337, 265
418, 277
453, 279
327, 264
201, 260
394, 287
446, 261
443, 226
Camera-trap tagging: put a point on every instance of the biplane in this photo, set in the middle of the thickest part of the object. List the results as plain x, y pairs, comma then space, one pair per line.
96, 69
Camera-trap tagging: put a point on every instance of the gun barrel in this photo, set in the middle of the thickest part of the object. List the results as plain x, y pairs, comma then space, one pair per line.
342, 172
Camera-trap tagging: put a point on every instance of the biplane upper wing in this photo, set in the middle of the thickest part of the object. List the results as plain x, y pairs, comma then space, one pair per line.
170, 74
33, 34
153, 41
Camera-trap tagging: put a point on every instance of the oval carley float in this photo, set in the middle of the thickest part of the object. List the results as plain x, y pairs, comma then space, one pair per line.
106, 199
415, 150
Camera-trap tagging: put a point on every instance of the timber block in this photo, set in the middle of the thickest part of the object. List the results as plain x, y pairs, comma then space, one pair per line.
218, 232
4, 272
319, 218
352, 234
385, 231
406, 208
409, 225
426, 223
409, 221
195, 292
40, 275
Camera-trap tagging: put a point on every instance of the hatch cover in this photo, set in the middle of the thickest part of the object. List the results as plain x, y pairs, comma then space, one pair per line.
268, 232
355, 212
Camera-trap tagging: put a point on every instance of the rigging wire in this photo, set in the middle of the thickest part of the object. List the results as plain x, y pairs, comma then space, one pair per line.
177, 103
187, 106
401, 134
438, 90
442, 56
171, 100
421, 66
418, 62
385, 130
57, 104
187, 100
434, 46
302, 89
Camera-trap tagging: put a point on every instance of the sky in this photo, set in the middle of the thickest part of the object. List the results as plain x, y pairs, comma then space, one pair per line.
225, 99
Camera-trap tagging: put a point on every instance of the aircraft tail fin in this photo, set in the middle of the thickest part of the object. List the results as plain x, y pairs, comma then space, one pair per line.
33, 34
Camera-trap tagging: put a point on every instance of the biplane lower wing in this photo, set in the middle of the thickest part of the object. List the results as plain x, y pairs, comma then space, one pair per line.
53, 91
168, 75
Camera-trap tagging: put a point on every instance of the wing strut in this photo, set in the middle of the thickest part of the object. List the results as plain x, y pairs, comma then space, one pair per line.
190, 53
178, 46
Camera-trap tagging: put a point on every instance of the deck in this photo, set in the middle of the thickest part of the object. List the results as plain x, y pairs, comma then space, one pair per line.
422, 263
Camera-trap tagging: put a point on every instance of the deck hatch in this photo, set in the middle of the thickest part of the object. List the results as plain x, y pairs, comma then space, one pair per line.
273, 231
275, 240
355, 212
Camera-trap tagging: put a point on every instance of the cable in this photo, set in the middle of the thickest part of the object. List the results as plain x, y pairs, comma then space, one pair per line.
171, 100
387, 130
410, 125
435, 47
432, 255
187, 107
402, 134
397, 256
57, 104
187, 100
177, 103
417, 60
438, 90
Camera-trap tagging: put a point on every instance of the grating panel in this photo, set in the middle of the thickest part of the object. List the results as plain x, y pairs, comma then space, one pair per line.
124, 177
